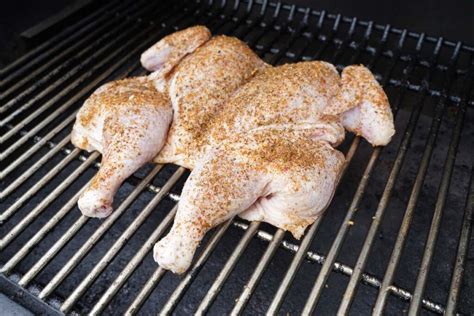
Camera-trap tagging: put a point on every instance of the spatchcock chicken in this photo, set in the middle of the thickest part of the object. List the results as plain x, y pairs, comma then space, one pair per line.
260, 140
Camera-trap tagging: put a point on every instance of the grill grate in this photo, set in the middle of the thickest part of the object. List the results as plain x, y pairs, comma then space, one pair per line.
398, 230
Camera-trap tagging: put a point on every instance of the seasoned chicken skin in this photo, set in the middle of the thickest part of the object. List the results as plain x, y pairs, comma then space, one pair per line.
308, 95
198, 88
162, 57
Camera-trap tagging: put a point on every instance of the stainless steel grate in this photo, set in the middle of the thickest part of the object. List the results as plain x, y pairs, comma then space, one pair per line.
397, 234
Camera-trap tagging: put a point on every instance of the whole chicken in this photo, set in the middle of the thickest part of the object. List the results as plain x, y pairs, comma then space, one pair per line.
268, 154
260, 140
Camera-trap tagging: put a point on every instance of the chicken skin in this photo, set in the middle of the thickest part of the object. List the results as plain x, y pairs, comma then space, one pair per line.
308, 95
198, 88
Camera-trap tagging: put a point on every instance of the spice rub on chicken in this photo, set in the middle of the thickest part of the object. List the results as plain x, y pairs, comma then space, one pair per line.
260, 140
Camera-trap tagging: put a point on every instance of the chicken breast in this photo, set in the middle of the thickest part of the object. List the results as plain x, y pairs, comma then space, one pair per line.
198, 88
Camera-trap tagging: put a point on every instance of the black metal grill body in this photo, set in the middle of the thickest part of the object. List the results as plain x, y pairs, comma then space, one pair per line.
400, 219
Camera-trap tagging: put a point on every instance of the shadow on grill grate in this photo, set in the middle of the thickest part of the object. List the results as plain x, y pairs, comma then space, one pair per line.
397, 233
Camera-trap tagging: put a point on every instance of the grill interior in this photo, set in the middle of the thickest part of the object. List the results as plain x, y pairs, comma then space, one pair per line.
395, 239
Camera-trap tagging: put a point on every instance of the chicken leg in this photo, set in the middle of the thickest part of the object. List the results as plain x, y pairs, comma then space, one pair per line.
127, 121
286, 181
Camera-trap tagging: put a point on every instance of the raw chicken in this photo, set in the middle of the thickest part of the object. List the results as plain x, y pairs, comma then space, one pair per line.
259, 139
363, 107
268, 154
127, 121
162, 57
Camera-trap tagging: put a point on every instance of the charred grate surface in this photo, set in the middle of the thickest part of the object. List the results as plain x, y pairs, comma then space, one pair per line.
396, 238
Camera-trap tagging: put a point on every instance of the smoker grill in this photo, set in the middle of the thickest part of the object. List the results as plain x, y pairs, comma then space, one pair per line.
395, 239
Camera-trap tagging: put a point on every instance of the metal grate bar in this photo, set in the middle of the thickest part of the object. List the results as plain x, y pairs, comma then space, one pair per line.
18, 181
353, 283
128, 233
396, 253
441, 200
341, 268
46, 49
111, 19
33, 149
87, 246
381, 27
53, 251
324, 274
77, 96
13, 233
249, 288
227, 269
336, 246
10, 264
462, 251
35, 188
58, 128
44, 230
133, 264
145, 292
